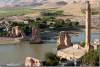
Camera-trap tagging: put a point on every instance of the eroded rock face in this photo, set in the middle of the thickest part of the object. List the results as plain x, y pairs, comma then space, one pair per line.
32, 62
64, 40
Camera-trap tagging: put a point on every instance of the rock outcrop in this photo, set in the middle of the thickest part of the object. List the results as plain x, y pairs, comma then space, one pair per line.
32, 62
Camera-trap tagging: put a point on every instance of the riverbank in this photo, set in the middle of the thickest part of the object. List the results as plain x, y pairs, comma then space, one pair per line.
8, 40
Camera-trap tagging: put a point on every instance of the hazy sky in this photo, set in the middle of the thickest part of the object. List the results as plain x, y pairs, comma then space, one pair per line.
24, 0
11, 1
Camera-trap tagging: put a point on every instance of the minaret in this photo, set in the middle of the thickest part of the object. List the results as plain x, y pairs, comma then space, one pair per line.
88, 25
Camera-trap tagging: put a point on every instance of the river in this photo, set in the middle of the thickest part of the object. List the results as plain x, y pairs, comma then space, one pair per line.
16, 53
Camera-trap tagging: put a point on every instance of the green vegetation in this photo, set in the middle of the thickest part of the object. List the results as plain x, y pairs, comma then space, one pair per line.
91, 58
38, 22
66, 24
14, 11
52, 13
47, 20
45, 23
3, 32
51, 59
57, 24
19, 11
83, 43
24, 27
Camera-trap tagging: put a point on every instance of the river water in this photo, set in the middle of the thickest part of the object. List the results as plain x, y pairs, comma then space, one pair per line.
16, 53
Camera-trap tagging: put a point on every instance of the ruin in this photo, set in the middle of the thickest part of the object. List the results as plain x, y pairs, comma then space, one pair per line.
16, 32
35, 36
77, 51
64, 40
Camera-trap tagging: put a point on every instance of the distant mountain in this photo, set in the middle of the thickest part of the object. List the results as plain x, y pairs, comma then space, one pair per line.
14, 3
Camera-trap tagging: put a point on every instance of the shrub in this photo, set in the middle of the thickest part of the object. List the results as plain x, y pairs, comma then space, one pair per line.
83, 43
91, 58
51, 59
75, 23
52, 13
68, 20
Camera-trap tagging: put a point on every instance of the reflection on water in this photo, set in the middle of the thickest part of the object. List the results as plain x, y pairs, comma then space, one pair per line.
16, 53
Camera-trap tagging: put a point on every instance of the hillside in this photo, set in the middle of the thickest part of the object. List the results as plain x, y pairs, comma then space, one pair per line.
72, 7
69, 7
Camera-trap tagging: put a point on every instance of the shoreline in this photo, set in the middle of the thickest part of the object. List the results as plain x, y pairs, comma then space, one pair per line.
9, 40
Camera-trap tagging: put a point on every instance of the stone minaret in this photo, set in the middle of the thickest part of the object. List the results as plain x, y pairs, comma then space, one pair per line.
88, 25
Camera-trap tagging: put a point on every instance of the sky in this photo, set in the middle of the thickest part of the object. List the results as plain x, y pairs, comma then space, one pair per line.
4, 3
14, 1
11, 1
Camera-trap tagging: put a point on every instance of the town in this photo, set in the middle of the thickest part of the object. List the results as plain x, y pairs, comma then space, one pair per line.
51, 38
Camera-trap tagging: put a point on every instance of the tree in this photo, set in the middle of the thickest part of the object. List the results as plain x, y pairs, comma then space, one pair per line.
59, 23
26, 29
3, 33
52, 13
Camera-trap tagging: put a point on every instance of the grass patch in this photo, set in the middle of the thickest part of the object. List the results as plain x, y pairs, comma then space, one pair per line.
14, 11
